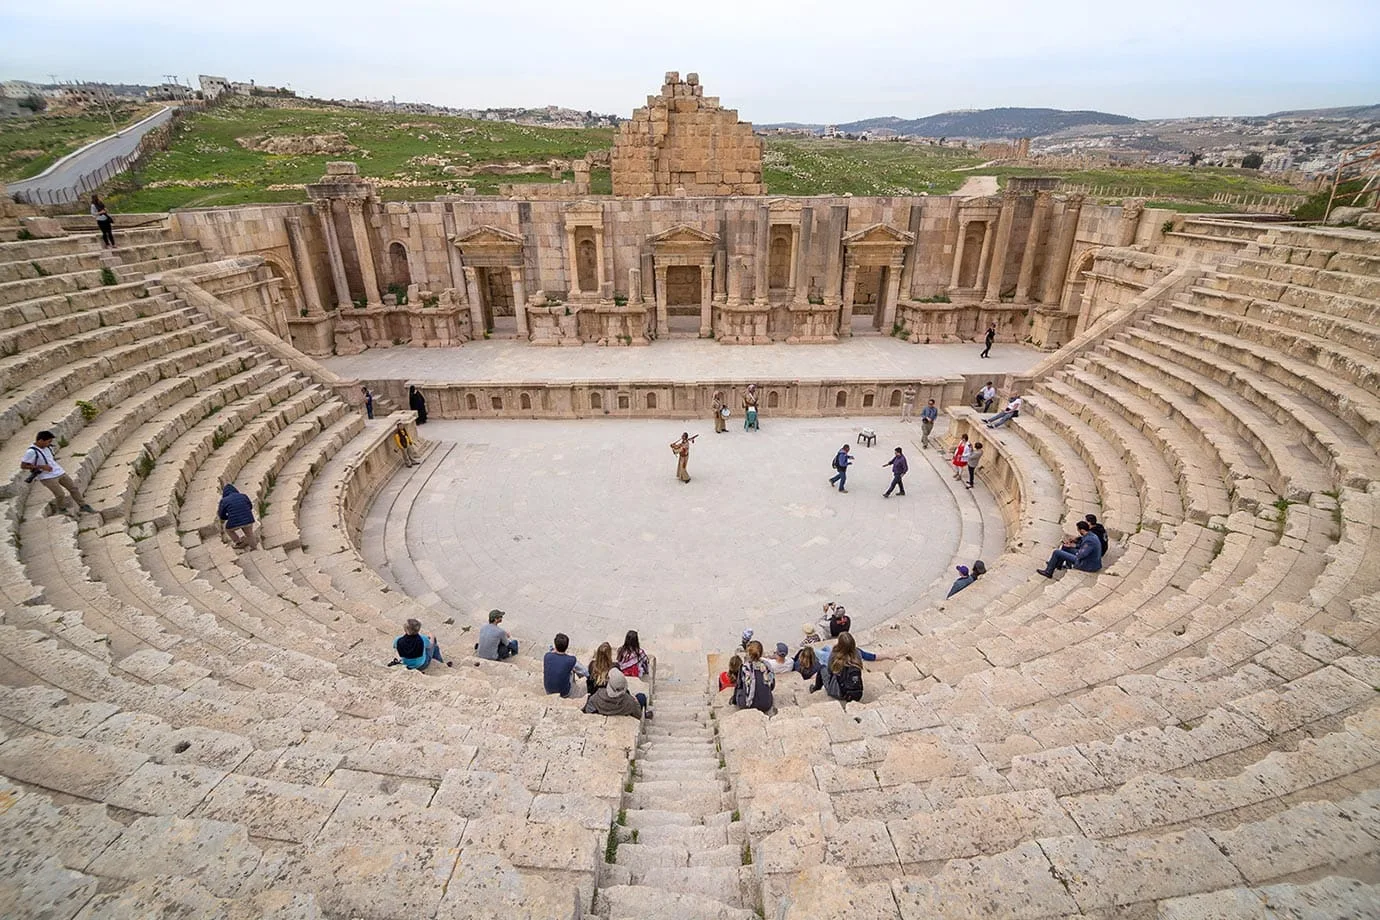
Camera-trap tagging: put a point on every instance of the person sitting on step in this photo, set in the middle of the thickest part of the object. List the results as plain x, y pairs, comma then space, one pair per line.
1086, 556
599, 667
559, 669
631, 659
613, 699
729, 679
415, 650
495, 644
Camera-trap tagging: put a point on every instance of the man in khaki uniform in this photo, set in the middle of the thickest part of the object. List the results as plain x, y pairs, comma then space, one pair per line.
681, 449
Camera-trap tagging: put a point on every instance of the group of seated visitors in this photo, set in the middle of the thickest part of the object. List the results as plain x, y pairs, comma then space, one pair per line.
605, 678
1082, 551
835, 669
966, 577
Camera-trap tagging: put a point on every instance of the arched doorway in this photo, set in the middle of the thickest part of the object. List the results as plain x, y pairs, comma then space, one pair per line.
1076, 290
398, 271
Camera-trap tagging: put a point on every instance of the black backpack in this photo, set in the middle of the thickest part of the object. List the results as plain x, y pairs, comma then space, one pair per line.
846, 685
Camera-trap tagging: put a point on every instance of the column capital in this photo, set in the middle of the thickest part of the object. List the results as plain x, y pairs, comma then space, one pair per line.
356, 205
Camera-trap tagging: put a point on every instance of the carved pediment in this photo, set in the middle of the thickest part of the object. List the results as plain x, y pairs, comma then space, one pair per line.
682, 234
879, 233
487, 234
785, 206
585, 207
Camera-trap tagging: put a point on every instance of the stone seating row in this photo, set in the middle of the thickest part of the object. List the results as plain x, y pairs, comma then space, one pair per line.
70, 263
76, 243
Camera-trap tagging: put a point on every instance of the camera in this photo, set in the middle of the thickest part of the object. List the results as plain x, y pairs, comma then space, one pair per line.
33, 474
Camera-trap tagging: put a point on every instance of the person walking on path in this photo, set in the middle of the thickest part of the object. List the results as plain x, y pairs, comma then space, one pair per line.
417, 403
236, 514
989, 339
899, 468
103, 222
907, 402
974, 458
927, 417
750, 422
681, 449
368, 403
40, 461
404, 442
841, 461
960, 460
720, 412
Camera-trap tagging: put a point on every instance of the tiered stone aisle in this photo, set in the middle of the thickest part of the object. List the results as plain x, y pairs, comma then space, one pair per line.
678, 848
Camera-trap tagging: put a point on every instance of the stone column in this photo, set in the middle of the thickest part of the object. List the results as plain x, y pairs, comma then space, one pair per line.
457, 268
983, 258
958, 255
572, 260
1002, 247
912, 253
800, 271
795, 258
706, 298
761, 274
599, 277
892, 294
635, 285
838, 216
1130, 221
662, 320
342, 286
360, 231
850, 289
470, 280
519, 300
1032, 244
1063, 251
306, 272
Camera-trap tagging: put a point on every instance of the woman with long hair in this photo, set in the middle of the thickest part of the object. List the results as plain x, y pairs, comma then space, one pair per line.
841, 678
806, 663
599, 668
631, 660
103, 222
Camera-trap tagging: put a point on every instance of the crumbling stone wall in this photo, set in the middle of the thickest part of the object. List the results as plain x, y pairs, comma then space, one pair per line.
683, 139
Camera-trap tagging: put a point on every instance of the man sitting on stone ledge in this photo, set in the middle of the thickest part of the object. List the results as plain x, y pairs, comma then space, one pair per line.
1086, 556
494, 642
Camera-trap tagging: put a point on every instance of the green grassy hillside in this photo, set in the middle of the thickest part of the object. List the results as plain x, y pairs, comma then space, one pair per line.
30, 144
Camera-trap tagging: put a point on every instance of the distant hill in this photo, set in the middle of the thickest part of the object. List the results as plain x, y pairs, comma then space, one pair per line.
1348, 111
983, 123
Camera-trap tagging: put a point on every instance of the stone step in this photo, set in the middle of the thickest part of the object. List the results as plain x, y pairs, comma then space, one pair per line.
662, 817
693, 837
634, 902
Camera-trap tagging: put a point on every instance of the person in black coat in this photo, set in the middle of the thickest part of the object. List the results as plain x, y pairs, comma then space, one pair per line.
417, 403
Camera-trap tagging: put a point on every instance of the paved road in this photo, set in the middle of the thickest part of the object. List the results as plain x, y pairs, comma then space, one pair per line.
70, 170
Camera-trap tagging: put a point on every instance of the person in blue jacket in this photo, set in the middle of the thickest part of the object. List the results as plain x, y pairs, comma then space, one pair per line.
1086, 556
841, 461
236, 514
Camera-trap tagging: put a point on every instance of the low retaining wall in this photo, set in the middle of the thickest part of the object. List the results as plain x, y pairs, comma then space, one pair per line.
665, 399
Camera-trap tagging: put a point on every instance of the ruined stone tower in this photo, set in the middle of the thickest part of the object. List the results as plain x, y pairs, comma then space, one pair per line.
684, 139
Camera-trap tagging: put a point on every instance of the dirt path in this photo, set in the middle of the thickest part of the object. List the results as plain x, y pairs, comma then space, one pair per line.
977, 187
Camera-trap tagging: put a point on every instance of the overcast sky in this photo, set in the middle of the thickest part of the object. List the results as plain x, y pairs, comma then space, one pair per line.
774, 60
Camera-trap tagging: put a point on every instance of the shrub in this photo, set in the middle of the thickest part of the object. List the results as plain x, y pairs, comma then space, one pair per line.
108, 277
89, 410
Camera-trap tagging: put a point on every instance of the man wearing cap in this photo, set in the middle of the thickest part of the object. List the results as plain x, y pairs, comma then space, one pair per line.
963, 580
780, 663
494, 642
613, 699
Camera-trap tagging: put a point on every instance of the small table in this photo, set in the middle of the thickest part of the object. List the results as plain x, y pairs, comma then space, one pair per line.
868, 437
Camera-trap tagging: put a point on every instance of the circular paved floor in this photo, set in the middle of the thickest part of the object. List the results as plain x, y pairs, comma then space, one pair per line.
582, 527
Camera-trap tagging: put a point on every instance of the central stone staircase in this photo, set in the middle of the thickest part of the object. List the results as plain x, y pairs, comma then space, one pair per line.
678, 848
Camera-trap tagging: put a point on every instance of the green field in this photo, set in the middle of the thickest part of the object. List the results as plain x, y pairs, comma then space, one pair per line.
407, 155
31, 144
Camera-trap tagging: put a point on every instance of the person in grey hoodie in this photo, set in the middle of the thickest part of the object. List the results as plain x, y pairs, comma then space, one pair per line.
613, 699
236, 514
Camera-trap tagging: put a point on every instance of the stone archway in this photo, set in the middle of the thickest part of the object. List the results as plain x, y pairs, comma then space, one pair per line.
399, 272
873, 253
1076, 285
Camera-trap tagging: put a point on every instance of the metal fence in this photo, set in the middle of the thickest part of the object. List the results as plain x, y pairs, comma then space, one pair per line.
153, 141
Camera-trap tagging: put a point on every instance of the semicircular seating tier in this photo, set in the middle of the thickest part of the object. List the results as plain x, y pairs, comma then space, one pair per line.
1193, 731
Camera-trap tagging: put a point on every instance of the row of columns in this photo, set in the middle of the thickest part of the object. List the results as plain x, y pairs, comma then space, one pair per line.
359, 235
996, 244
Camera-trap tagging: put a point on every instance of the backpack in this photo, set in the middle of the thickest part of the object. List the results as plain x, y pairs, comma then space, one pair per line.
846, 686
836, 461
754, 689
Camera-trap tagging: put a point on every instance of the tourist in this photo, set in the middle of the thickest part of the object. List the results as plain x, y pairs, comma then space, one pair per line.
989, 339
729, 678
840, 673
559, 669
415, 650
495, 644
755, 681
404, 442
835, 620
720, 412
960, 458
745, 639
979, 569
927, 417
103, 222
985, 398
811, 634
824, 651
1099, 530
841, 461
681, 449
907, 402
631, 659
780, 662
40, 460
613, 699
599, 667
1012, 410
236, 515
417, 403
899, 468
806, 663
964, 579
368, 403
750, 422
1086, 556
974, 458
